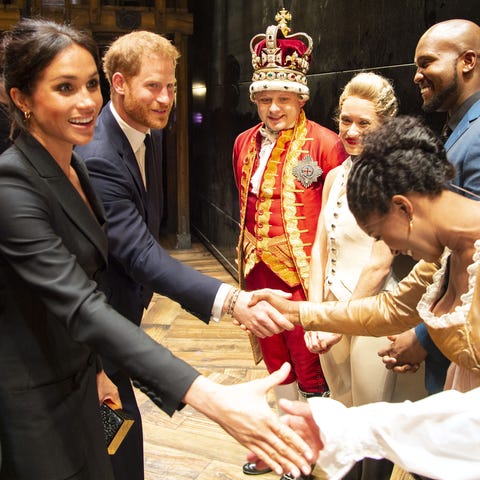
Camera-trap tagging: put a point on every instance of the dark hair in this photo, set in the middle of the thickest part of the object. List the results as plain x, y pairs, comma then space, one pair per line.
403, 155
29, 48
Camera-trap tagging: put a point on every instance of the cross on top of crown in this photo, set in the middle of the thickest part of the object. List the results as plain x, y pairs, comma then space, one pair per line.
282, 18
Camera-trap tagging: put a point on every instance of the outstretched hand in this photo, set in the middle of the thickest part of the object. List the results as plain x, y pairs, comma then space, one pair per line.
243, 412
298, 416
261, 318
289, 308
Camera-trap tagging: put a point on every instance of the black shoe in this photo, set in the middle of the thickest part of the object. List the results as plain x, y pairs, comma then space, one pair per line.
289, 476
251, 469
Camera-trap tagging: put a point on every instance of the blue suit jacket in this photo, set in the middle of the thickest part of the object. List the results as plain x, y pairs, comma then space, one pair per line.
138, 265
463, 150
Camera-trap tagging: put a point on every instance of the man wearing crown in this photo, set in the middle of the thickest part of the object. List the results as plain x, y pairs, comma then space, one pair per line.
279, 167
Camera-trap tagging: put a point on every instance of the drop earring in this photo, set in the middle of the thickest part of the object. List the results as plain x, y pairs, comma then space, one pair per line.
27, 115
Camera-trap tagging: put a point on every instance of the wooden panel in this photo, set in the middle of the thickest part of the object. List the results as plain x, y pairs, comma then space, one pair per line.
8, 18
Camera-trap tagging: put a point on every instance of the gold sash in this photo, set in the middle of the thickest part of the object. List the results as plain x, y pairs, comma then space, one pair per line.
278, 257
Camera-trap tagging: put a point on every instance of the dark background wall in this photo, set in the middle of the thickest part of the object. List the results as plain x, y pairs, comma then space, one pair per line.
348, 36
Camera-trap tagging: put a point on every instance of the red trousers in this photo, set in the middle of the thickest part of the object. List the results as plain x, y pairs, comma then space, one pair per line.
288, 346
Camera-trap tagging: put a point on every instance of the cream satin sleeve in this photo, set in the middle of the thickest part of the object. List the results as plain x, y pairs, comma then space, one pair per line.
387, 313
438, 437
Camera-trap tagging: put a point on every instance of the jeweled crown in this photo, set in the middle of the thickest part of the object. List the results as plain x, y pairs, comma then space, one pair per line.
281, 61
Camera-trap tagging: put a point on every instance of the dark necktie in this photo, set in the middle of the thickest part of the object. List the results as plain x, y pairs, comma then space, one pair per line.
149, 163
153, 183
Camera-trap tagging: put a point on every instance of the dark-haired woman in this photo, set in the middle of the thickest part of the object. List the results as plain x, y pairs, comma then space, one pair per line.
52, 319
399, 193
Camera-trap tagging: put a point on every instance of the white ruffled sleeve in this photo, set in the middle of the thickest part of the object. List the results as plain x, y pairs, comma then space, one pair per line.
438, 437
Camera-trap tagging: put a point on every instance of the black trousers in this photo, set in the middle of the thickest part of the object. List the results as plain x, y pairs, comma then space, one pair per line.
370, 469
127, 462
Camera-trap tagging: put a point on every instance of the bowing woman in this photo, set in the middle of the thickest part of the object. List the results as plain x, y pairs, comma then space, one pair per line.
398, 192
52, 318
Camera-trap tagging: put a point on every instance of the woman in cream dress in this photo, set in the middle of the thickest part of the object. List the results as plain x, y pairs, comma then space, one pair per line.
346, 264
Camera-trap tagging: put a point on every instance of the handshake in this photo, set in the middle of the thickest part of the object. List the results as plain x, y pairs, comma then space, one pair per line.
262, 312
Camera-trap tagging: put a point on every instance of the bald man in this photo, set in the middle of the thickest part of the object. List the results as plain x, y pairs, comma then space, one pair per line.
448, 75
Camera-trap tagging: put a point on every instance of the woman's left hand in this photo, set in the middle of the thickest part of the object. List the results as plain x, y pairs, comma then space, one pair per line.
107, 390
321, 342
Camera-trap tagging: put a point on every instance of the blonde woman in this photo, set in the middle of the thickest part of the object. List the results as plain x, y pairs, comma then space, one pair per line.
346, 264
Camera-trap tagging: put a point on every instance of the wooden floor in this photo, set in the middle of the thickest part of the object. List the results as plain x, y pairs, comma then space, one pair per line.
190, 446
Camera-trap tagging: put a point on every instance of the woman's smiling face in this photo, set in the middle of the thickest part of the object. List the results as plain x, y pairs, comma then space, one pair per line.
357, 117
66, 100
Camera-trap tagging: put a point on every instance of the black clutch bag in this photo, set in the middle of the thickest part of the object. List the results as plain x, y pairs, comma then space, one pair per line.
116, 424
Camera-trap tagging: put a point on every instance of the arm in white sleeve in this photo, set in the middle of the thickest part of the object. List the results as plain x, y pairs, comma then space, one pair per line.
438, 437
219, 302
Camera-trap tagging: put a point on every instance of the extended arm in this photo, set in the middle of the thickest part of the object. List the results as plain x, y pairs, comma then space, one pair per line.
438, 437
242, 410
76, 316
387, 313
132, 247
135, 250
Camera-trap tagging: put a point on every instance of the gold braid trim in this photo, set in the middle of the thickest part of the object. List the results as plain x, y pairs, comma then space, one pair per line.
249, 252
269, 256
287, 259
289, 201
278, 247
247, 168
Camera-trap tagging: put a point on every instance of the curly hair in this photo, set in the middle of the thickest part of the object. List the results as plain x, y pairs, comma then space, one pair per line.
401, 156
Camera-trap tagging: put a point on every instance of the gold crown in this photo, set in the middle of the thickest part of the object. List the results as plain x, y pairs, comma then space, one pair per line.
280, 61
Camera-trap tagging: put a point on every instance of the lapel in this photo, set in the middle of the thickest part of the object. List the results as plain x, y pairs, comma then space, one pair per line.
109, 128
472, 114
152, 203
93, 226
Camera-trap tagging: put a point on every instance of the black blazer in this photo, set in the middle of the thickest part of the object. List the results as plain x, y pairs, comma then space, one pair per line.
138, 265
53, 320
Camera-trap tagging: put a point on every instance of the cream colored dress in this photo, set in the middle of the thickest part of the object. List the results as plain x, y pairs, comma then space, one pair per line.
348, 246
354, 372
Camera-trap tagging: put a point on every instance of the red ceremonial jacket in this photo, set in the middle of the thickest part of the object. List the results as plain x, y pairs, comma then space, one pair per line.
279, 225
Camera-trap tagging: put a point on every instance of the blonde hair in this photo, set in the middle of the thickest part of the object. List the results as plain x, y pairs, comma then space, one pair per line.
125, 54
375, 88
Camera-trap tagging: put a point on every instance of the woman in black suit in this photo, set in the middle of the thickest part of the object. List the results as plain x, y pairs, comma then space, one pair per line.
52, 318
